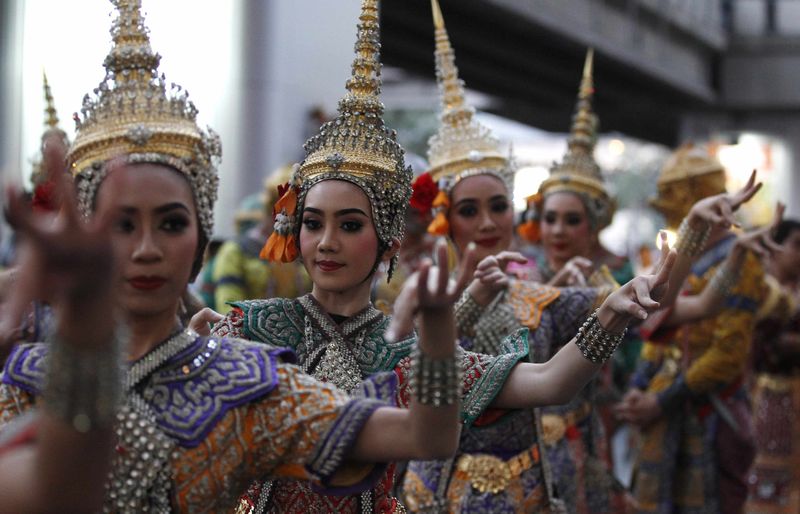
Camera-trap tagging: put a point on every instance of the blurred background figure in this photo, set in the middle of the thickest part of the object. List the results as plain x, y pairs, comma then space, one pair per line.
238, 271
774, 481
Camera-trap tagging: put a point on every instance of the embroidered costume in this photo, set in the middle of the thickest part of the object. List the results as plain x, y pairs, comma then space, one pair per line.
774, 479
503, 464
695, 457
343, 354
203, 417
511, 461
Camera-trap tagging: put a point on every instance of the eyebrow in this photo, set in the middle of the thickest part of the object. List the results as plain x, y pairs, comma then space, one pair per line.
475, 200
342, 212
159, 210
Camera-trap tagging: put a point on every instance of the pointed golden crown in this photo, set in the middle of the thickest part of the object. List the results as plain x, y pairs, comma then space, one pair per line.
51, 128
357, 146
688, 161
132, 114
690, 174
462, 146
51, 116
578, 171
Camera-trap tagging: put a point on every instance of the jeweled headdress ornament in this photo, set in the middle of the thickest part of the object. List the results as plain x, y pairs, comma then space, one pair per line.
357, 147
462, 146
131, 115
578, 172
689, 175
50, 128
50, 114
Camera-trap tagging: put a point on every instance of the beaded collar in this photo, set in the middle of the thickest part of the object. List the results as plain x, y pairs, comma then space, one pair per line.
334, 350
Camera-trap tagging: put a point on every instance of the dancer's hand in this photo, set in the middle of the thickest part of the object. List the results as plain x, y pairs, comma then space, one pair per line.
201, 322
573, 273
490, 276
68, 261
717, 210
760, 241
640, 296
638, 408
429, 289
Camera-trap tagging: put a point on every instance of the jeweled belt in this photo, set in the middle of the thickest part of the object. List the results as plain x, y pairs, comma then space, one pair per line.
488, 473
778, 383
554, 426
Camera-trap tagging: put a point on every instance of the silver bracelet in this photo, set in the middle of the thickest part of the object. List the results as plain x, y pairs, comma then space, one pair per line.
84, 388
691, 242
435, 382
596, 343
724, 280
467, 313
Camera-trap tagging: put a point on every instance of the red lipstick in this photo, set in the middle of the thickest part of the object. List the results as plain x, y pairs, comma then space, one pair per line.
329, 265
147, 283
488, 242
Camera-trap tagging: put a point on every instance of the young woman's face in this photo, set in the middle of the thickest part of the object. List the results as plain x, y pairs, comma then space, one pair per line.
787, 260
566, 232
154, 233
480, 211
338, 242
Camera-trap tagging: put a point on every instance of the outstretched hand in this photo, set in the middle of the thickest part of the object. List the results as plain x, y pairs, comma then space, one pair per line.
490, 275
573, 273
203, 319
717, 210
430, 288
640, 296
65, 259
760, 241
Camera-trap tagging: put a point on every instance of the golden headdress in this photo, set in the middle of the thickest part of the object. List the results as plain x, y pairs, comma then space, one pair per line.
578, 172
51, 116
51, 128
689, 175
132, 115
357, 147
462, 147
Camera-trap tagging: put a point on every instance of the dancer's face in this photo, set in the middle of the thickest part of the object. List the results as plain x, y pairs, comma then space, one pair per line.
338, 241
566, 232
480, 211
786, 261
154, 232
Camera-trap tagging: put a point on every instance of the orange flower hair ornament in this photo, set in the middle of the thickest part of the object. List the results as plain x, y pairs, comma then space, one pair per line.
282, 245
530, 229
441, 204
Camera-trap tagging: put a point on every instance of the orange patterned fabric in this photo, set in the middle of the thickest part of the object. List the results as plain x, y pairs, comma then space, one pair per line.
274, 437
529, 300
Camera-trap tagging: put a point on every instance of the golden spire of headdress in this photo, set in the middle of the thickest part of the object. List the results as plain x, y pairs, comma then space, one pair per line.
578, 171
461, 144
51, 116
579, 158
131, 114
358, 141
356, 146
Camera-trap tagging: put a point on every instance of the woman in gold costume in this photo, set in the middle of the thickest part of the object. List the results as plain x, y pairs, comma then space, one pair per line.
468, 188
193, 420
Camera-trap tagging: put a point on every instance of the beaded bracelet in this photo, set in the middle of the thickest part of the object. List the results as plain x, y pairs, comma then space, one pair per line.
596, 343
435, 382
84, 388
724, 280
467, 313
691, 241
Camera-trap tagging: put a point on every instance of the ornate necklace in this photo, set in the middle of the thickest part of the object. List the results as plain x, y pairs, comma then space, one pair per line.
330, 344
141, 475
